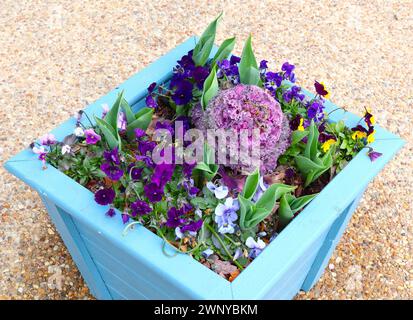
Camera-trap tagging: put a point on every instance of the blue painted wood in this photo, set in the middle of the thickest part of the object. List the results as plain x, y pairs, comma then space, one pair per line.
79, 252
123, 262
330, 243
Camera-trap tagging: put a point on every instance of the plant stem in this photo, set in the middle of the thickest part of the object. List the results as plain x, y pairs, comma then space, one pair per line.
224, 246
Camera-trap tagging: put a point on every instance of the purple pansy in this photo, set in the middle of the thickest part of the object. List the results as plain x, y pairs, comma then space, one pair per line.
112, 171
91, 136
140, 208
255, 246
166, 124
263, 64
151, 102
162, 174
112, 155
146, 146
200, 74
135, 172
183, 92
288, 71
105, 196
48, 139
293, 93
272, 81
193, 226
153, 192
151, 87
125, 218
315, 111
226, 214
111, 212
139, 133
234, 60
374, 155
174, 218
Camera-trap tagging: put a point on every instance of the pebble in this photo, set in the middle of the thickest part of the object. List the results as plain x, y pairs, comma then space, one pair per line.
361, 50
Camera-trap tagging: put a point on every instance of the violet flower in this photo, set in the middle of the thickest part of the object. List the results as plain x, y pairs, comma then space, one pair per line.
91, 136
183, 92
226, 214
193, 226
206, 253
262, 187
125, 218
255, 246
374, 155
140, 208
112, 171
220, 192
111, 212
112, 156
122, 122
151, 102
174, 218
105, 109
48, 139
139, 133
105, 196
153, 192
162, 174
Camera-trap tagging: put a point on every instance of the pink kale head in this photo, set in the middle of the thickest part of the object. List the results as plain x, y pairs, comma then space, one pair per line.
248, 107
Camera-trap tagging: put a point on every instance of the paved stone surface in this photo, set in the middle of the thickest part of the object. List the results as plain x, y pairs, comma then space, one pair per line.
58, 56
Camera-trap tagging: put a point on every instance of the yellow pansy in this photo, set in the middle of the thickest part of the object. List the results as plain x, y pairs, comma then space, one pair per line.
370, 137
358, 135
325, 89
327, 145
300, 126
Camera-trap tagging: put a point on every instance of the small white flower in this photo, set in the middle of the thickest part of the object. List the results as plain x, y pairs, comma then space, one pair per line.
198, 212
79, 132
66, 149
105, 108
39, 150
206, 253
220, 192
252, 244
178, 233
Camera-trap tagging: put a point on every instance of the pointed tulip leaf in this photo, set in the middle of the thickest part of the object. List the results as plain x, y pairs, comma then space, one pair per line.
272, 194
210, 88
299, 203
111, 137
204, 46
248, 68
142, 121
112, 116
224, 50
251, 185
285, 214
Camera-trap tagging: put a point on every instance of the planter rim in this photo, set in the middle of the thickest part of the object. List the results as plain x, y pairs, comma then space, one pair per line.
265, 270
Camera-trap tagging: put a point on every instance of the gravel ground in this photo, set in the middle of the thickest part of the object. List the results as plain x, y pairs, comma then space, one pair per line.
58, 56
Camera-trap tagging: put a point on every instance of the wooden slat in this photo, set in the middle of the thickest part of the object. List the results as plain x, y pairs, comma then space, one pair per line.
74, 243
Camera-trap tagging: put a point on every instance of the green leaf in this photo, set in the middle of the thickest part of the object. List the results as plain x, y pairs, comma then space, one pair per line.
272, 194
258, 215
248, 68
306, 165
245, 209
297, 136
251, 185
224, 50
299, 203
210, 88
312, 143
143, 119
111, 137
285, 214
112, 116
204, 46
203, 167
130, 116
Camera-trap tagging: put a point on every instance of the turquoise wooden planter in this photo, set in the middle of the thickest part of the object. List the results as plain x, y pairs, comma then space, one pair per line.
133, 266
